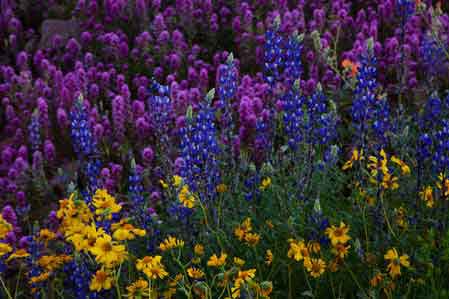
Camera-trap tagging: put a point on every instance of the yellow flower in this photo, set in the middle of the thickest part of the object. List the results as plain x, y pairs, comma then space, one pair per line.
137, 289
333, 265
46, 235
239, 262
404, 167
195, 273
85, 237
338, 234
316, 267
375, 164
374, 282
177, 180
186, 197
215, 261
266, 182
242, 277
5, 227
443, 184
395, 262
170, 243
222, 188
243, 229
105, 203
40, 278
252, 239
298, 250
356, 156
163, 184
427, 196
266, 288
269, 257
52, 262
390, 182
341, 250
314, 246
107, 252
21, 253
246, 275
401, 218
152, 267
199, 249
4, 249
125, 231
101, 280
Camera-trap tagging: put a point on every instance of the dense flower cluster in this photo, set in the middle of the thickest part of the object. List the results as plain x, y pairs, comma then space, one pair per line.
319, 167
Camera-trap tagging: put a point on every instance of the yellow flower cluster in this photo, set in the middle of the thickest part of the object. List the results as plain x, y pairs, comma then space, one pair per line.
300, 252
427, 196
186, 197
244, 233
339, 238
380, 165
152, 267
5, 227
170, 243
443, 185
137, 289
105, 204
79, 228
215, 261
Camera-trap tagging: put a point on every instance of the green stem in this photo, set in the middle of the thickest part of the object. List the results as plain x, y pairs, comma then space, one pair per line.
5, 288
356, 281
18, 281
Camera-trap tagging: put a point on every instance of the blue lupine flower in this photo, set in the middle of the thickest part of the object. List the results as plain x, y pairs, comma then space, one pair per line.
405, 8
262, 141
293, 117
139, 211
156, 87
78, 278
381, 122
432, 56
308, 119
364, 97
160, 108
252, 184
199, 149
227, 88
35, 269
82, 139
180, 212
317, 224
92, 170
34, 132
320, 123
135, 188
292, 61
273, 54
441, 148
432, 113
227, 81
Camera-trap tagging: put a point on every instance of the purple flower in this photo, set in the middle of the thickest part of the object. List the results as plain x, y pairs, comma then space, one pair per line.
147, 155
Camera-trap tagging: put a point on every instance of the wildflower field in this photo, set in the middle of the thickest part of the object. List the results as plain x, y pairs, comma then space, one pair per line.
222, 149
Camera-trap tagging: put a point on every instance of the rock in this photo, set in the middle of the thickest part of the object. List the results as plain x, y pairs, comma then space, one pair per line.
64, 28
